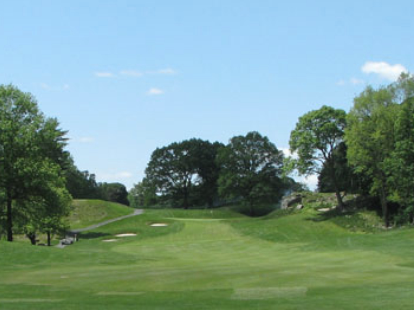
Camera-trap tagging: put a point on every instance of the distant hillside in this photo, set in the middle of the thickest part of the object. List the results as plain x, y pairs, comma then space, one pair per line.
89, 212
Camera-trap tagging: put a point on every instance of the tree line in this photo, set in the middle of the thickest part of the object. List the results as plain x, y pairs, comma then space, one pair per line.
369, 150
38, 177
248, 170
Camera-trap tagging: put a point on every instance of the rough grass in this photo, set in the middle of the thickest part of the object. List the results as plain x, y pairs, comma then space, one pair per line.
217, 260
88, 212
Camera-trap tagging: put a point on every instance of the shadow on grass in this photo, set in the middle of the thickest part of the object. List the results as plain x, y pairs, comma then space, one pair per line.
351, 208
92, 235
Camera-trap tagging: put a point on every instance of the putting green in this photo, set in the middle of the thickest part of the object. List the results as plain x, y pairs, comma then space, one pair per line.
238, 263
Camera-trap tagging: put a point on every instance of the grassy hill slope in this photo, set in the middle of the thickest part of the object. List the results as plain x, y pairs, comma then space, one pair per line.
89, 212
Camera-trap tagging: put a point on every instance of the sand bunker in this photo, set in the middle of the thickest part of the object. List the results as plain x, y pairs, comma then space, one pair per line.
324, 209
159, 225
110, 240
126, 235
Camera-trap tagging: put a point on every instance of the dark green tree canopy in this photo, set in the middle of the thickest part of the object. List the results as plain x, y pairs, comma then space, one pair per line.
400, 165
115, 192
179, 169
81, 184
251, 168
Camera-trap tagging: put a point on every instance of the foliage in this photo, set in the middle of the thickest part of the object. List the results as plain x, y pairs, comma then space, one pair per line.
315, 138
251, 169
400, 165
347, 179
81, 184
143, 194
180, 171
32, 154
370, 135
115, 192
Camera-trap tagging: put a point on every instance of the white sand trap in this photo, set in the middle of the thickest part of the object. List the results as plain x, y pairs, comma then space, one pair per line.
159, 225
126, 235
324, 209
110, 240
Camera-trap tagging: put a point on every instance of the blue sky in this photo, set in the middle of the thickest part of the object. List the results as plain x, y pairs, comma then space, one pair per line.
125, 77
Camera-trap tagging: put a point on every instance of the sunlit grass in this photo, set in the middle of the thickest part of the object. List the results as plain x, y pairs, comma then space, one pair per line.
214, 260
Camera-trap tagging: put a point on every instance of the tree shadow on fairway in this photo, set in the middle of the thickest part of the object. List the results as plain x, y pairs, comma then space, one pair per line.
328, 215
351, 208
360, 214
92, 235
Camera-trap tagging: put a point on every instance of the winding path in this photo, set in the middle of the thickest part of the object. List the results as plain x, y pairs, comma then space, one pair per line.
76, 231
71, 233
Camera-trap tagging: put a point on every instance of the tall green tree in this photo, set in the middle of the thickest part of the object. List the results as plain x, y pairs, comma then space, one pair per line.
316, 137
370, 137
178, 170
400, 165
31, 150
347, 179
81, 184
251, 169
143, 194
115, 192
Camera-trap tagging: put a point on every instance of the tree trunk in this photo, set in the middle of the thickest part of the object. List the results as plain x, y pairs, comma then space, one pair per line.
48, 238
185, 198
339, 199
384, 206
337, 192
32, 237
251, 207
9, 222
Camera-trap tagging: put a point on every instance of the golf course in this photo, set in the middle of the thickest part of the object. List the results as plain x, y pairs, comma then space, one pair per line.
215, 259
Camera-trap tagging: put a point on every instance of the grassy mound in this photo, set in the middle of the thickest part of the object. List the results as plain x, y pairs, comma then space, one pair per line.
88, 212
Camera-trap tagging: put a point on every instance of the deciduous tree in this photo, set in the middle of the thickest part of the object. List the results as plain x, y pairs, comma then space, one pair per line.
370, 138
31, 151
180, 169
317, 135
251, 168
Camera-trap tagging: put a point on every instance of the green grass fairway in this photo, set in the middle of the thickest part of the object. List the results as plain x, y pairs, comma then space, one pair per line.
214, 260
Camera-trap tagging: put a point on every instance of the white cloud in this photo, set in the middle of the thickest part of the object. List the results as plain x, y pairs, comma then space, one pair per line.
116, 176
85, 140
167, 71
311, 181
286, 152
45, 86
131, 73
54, 88
384, 69
104, 74
155, 91
352, 81
355, 81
